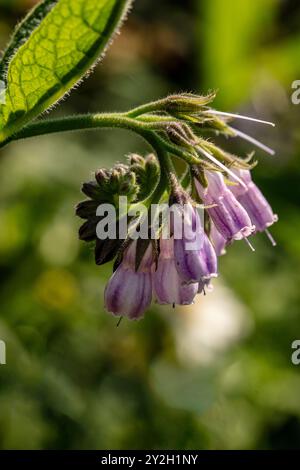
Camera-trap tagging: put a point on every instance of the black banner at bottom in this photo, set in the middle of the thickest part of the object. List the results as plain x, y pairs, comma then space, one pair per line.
136, 459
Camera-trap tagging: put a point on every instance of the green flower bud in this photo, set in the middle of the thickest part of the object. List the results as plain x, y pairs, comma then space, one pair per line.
107, 187
135, 159
188, 103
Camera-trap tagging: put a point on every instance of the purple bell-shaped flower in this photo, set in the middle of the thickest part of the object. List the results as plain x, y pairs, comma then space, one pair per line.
228, 215
194, 254
218, 241
129, 292
252, 199
168, 287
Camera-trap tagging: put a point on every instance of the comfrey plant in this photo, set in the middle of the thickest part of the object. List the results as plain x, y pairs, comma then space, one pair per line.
169, 254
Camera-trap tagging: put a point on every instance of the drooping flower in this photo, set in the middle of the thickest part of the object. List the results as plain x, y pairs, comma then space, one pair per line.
252, 199
196, 265
168, 287
228, 215
218, 241
205, 287
194, 254
129, 291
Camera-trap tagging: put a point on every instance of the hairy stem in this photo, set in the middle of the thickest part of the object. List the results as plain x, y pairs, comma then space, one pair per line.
76, 123
189, 158
100, 121
147, 108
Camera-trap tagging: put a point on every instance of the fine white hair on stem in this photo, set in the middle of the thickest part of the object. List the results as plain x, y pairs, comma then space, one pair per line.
239, 116
253, 141
220, 165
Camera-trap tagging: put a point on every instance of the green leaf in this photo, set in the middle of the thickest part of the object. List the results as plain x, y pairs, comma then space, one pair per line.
23, 32
55, 56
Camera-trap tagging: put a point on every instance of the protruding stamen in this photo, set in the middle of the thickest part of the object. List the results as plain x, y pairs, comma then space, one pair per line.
270, 237
250, 245
223, 167
253, 141
239, 116
119, 321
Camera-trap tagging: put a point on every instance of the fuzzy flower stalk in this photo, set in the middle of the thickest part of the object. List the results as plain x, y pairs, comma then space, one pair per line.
172, 254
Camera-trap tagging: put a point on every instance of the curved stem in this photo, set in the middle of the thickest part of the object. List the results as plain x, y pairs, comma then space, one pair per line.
188, 157
157, 118
147, 130
160, 189
185, 180
166, 163
147, 108
75, 123
157, 193
98, 121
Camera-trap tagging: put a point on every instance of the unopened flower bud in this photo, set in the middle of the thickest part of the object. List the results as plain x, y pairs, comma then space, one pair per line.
181, 134
187, 103
102, 176
135, 159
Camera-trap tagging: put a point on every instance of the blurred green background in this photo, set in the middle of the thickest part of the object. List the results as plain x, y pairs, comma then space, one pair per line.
216, 375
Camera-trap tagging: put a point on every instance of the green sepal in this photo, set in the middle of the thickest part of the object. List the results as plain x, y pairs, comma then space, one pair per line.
109, 185
106, 250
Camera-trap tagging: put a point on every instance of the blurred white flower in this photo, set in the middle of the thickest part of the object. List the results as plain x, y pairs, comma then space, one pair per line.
211, 326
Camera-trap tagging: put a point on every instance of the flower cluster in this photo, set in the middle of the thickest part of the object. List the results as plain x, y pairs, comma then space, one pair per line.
215, 200
178, 273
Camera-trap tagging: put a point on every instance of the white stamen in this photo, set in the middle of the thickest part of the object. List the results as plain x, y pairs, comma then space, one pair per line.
270, 237
223, 167
239, 116
253, 141
249, 244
